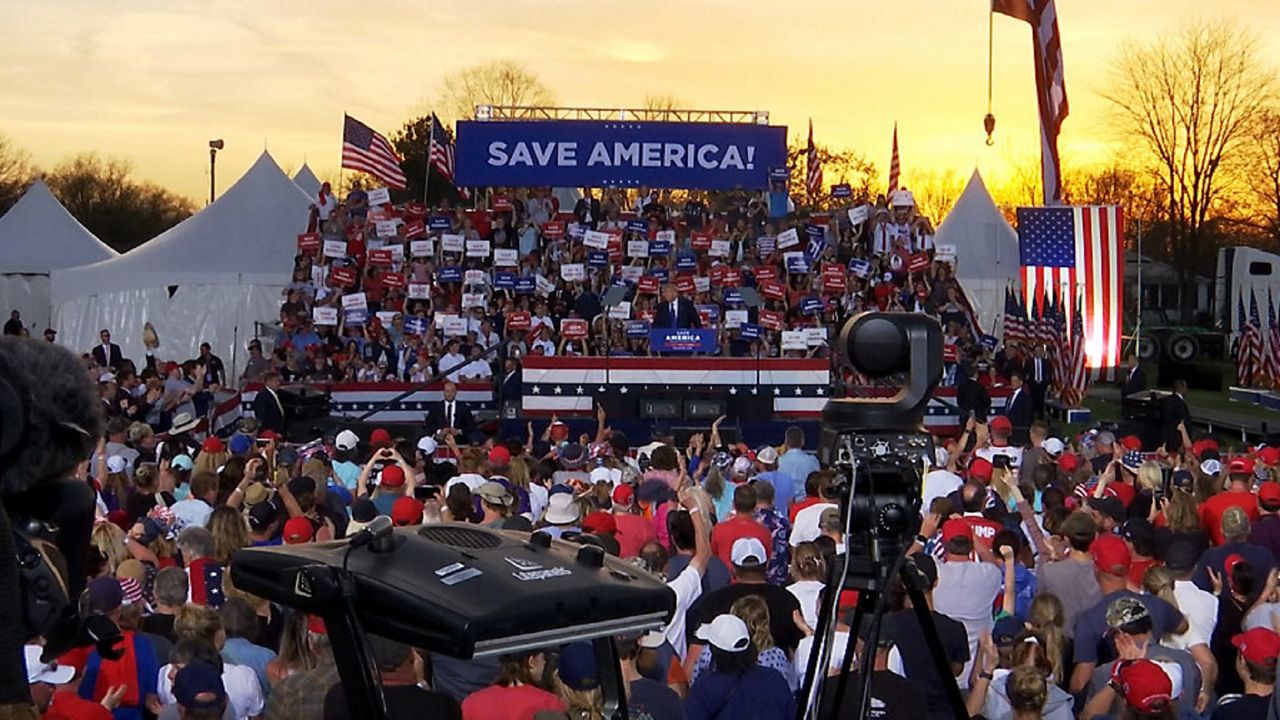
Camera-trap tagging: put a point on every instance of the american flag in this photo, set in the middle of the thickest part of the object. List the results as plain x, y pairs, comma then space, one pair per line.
442, 158
367, 151
1255, 340
1244, 365
813, 182
895, 167
1273, 335
1077, 378
1015, 318
1074, 254
1051, 87
204, 583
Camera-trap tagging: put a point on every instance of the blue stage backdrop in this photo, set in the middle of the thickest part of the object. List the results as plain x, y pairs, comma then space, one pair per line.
582, 153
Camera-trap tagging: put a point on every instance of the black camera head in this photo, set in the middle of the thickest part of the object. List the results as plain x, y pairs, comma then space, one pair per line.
880, 344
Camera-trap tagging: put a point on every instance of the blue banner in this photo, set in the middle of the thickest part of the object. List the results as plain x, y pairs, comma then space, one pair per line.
355, 316
811, 306
659, 247
749, 331
503, 280
682, 340
686, 261
637, 329
439, 222
525, 285
597, 258
843, 190
779, 173
449, 274
638, 226
415, 324
588, 153
661, 274
732, 296
797, 265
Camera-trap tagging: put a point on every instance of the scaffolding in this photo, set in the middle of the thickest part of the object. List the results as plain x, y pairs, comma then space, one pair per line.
521, 112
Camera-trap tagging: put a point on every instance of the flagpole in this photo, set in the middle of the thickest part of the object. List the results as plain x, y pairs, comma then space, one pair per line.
426, 182
1137, 325
989, 122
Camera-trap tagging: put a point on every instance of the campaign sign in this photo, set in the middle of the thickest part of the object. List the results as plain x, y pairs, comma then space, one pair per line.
733, 297
919, 261
779, 172
355, 316
661, 273
506, 258
637, 329
386, 317
701, 284
788, 238
449, 274
419, 291
861, 268
355, 301
393, 280
475, 277
700, 241
575, 231
478, 248
797, 263
397, 252
504, 280
573, 328
596, 239
573, 271
811, 306
309, 242
525, 285
416, 229
638, 226
415, 324
765, 273
386, 228
597, 258
773, 290
794, 340
660, 248
859, 215
415, 210
685, 285
766, 245
471, 300
324, 315
615, 249
647, 285
815, 336
452, 242
455, 326
638, 248
843, 190
682, 340
749, 331
772, 319
835, 283
380, 257
945, 252
543, 285
815, 231
502, 203
439, 223
422, 248
732, 279
520, 320
734, 318
685, 261
378, 196
553, 230
342, 277
720, 248
666, 236
631, 273
621, 311
586, 153
335, 249
710, 314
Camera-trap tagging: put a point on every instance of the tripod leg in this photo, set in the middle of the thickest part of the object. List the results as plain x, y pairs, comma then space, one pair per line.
910, 578
846, 664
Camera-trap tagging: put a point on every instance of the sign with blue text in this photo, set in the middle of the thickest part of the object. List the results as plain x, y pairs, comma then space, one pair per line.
588, 153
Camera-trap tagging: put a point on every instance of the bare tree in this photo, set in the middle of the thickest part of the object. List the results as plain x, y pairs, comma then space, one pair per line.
935, 192
16, 174
1264, 181
501, 82
1190, 101
664, 101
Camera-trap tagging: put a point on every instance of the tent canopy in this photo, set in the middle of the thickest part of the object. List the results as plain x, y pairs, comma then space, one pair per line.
38, 235
307, 180
246, 237
986, 252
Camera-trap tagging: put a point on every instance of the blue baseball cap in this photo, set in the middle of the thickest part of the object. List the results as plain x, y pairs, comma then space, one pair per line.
198, 686
182, 462
578, 668
239, 444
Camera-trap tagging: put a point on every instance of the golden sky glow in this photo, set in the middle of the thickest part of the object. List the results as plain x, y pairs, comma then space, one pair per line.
152, 82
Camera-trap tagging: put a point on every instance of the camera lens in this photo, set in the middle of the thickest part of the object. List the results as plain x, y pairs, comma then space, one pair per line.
875, 346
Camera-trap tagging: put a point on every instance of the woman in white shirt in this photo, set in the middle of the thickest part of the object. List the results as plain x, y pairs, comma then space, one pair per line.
808, 570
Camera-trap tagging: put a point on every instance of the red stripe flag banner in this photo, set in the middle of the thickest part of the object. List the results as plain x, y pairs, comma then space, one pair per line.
365, 150
813, 181
1255, 342
1051, 87
1073, 255
895, 167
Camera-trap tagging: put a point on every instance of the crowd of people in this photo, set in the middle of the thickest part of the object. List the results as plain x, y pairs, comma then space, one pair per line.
1067, 576
381, 292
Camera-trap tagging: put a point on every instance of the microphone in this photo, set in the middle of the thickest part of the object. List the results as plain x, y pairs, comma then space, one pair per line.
379, 528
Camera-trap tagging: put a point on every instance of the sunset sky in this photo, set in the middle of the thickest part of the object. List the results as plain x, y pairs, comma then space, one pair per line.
153, 82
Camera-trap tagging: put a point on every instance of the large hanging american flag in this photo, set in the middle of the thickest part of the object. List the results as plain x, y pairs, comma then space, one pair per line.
1074, 254
1051, 87
365, 150
895, 166
813, 181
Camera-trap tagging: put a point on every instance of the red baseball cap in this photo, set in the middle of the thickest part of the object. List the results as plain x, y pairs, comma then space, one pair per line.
1131, 442
269, 435
956, 528
1241, 466
1000, 423
298, 530
980, 469
624, 494
1146, 685
1069, 463
1260, 646
1269, 495
1110, 555
315, 624
1269, 456
499, 456
380, 438
559, 431
213, 445
392, 476
600, 521
1199, 447
407, 511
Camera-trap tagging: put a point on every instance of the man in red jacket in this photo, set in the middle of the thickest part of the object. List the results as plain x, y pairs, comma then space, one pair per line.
742, 524
1239, 494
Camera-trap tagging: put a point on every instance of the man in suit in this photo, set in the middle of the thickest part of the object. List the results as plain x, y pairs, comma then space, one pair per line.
450, 416
1136, 380
267, 407
108, 353
1019, 409
1175, 417
675, 311
1039, 376
972, 399
511, 389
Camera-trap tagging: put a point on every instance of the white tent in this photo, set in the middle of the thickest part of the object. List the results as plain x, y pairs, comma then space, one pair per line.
307, 180
986, 252
210, 277
37, 236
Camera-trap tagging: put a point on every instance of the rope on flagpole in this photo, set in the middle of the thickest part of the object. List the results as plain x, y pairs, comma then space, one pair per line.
989, 122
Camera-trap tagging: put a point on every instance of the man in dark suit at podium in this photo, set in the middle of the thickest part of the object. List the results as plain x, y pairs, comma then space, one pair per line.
451, 415
1135, 381
108, 353
1039, 377
267, 408
675, 311
1175, 413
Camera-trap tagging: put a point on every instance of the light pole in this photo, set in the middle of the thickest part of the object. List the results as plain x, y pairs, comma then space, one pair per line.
214, 147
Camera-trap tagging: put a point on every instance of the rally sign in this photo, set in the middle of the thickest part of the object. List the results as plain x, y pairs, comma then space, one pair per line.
919, 261
638, 248
380, 257
766, 245
772, 319
439, 223
597, 258
621, 311
668, 236
553, 230
415, 210
309, 242
811, 306
573, 328
355, 316
638, 226
859, 215
596, 239
797, 263
324, 315
455, 326
414, 230
661, 273
842, 190
506, 257
519, 320
393, 280
355, 301
945, 252
773, 289
452, 242
419, 291
788, 238
700, 241
794, 340
682, 340
720, 248
637, 329
861, 268
573, 271
449, 274
504, 280
685, 285
701, 284
766, 272
472, 300
502, 203
686, 261
734, 318
478, 248
378, 196
525, 285
335, 249
815, 336
749, 331
631, 273
385, 228
475, 277
415, 324
342, 276
659, 248
543, 285
647, 285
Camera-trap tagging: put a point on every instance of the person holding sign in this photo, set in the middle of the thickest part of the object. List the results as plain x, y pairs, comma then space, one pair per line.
675, 311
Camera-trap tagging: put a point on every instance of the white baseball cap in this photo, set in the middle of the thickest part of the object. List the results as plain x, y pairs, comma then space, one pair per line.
346, 440
601, 475
940, 456
748, 552
41, 672
1053, 446
116, 464
727, 632
1211, 467
767, 455
427, 445
741, 466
